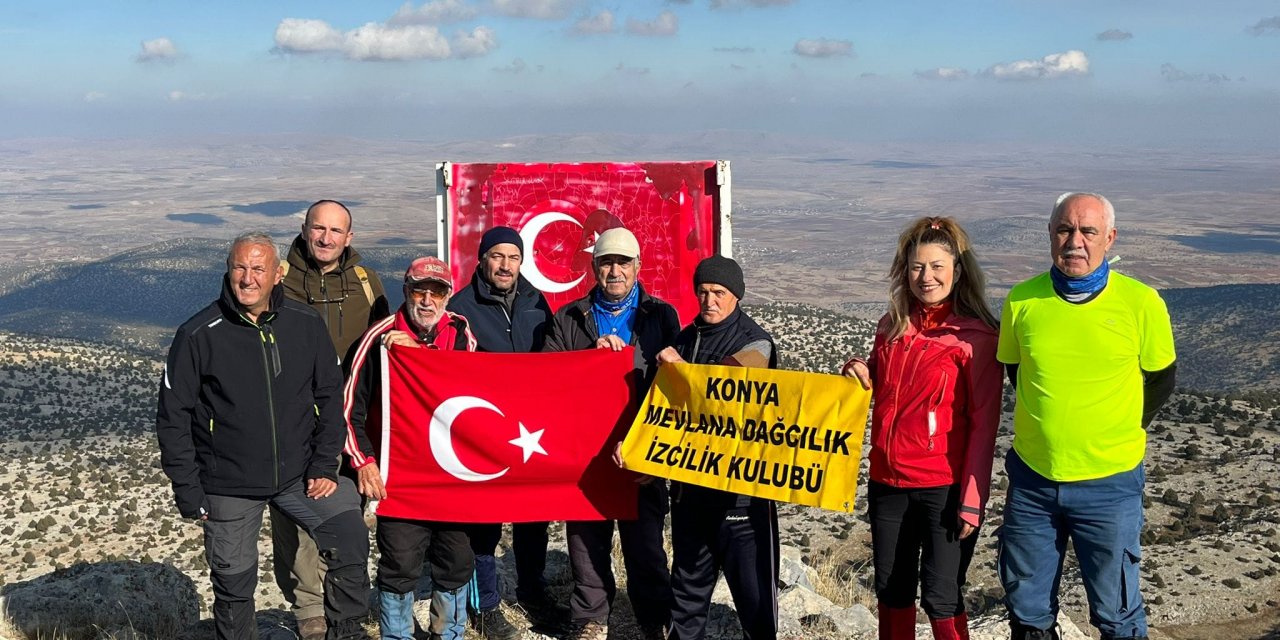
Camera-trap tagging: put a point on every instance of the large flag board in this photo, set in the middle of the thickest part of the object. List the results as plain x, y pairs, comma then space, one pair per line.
678, 211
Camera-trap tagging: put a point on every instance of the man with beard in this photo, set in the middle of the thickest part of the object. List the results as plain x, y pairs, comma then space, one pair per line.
507, 315
250, 414
421, 322
616, 313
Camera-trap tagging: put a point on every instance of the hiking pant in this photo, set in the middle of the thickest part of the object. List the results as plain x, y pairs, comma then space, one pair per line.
529, 543
1103, 520
915, 542
296, 562
648, 581
231, 548
742, 542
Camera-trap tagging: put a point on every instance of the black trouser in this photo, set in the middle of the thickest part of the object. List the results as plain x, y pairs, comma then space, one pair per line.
231, 547
402, 545
915, 539
648, 581
742, 542
529, 543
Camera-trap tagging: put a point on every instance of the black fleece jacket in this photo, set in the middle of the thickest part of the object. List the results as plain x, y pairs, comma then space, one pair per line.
247, 409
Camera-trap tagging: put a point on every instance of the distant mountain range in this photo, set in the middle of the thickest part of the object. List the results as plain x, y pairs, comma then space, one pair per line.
1228, 337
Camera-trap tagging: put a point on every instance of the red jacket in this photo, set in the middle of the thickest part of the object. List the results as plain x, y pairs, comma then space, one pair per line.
937, 407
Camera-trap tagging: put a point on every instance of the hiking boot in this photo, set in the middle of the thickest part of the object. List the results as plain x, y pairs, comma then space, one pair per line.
589, 630
542, 608
653, 632
492, 625
312, 628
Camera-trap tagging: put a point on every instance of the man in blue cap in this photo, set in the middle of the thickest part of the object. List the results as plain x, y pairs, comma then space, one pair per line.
507, 315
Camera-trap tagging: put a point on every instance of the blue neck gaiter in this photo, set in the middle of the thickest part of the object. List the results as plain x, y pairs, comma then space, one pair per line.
615, 318
1082, 288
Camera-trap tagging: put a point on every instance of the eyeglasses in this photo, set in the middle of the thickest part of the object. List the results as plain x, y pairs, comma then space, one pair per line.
434, 294
325, 299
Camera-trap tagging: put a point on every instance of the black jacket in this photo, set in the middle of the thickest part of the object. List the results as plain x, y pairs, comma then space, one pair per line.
574, 328
522, 331
248, 409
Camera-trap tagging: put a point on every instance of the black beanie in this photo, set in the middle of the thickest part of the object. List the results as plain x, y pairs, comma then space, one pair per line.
499, 235
722, 271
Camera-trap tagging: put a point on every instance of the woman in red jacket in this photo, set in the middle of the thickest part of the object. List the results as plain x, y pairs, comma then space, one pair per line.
937, 388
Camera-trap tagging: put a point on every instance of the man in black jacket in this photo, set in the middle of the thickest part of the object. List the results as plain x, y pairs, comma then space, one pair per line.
250, 413
507, 315
712, 530
617, 313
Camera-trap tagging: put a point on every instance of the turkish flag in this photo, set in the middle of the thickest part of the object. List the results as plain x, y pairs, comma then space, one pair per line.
503, 437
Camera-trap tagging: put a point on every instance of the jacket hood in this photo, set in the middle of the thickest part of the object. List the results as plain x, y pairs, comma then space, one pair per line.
231, 307
300, 257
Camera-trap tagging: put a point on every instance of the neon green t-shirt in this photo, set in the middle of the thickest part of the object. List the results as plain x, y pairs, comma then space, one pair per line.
1079, 397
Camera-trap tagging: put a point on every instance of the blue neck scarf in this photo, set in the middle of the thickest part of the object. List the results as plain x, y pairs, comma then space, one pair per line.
1082, 288
615, 318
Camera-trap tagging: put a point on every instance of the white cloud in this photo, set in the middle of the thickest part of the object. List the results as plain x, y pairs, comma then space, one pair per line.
375, 41
434, 12
183, 96
300, 35
599, 23
1265, 26
943, 73
539, 9
1054, 65
1114, 35
823, 48
1174, 74
666, 24
737, 4
94, 96
158, 50
479, 42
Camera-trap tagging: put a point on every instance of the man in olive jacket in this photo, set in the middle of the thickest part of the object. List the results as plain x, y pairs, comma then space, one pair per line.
322, 271
615, 314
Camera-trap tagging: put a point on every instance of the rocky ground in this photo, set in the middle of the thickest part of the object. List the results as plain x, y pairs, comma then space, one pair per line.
85, 489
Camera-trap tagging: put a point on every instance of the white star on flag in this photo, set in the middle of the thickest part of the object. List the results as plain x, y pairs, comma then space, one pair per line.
528, 442
592, 248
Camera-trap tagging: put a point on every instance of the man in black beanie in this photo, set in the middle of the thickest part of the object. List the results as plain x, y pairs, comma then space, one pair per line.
507, 314
712, 530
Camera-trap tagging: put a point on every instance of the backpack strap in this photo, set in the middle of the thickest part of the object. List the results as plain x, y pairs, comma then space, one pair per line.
284, 268
364, 282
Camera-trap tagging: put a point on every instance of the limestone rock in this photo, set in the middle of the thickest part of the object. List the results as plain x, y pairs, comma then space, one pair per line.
108, 599
843, 623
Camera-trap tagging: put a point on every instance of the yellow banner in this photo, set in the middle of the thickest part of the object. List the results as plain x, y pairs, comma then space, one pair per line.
783, 435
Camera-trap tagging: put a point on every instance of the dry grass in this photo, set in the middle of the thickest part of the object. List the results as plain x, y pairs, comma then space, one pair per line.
838, 571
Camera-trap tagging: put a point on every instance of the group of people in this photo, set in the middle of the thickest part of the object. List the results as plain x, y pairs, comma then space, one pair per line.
1089, 353
266, 393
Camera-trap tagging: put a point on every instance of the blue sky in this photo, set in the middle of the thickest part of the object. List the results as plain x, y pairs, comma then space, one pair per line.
1139, 71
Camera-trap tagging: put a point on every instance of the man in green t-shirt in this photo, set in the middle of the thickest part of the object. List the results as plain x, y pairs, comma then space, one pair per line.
1090, 354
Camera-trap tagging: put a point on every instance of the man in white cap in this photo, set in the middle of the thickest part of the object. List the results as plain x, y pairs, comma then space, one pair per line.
614, 314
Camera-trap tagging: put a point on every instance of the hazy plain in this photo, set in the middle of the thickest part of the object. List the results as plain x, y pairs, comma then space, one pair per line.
814, 221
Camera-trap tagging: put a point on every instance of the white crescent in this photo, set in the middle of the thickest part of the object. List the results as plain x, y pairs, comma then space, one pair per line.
529, 268
441, 437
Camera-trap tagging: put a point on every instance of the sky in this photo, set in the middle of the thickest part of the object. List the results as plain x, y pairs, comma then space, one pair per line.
1141, 72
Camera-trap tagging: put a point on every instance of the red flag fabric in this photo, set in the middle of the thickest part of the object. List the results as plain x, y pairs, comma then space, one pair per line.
501, 437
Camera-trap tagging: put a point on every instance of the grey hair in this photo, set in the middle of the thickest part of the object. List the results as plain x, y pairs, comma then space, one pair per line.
261, 238
1108, 210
